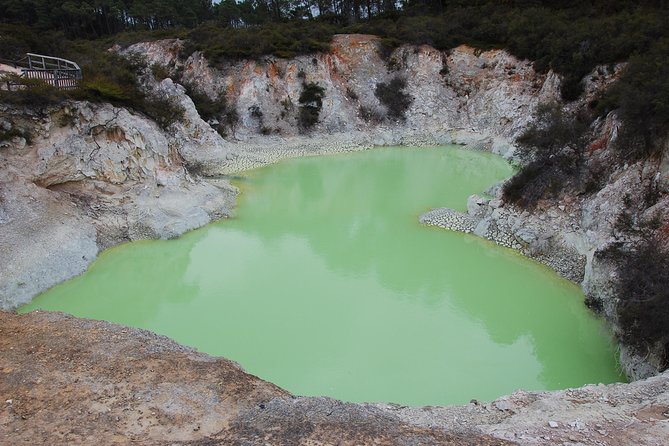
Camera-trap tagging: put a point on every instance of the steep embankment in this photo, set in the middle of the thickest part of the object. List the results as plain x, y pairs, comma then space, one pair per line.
95, 175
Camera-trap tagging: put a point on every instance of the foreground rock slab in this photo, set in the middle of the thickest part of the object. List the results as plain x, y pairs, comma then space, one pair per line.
65, 380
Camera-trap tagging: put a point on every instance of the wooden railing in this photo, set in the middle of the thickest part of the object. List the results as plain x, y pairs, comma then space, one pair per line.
61, 73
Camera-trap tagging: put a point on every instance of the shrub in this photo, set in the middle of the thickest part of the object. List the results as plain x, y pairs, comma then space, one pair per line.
215, 109
311, 103
164, 111
552, 131
370, 115
7, 135
206, 107
103, 88
256, 113
393, 97
643, 290
230, 118
642, 95
571, 87
17, 40
31, 93
552, 147
282, 39
539, 179
160, 72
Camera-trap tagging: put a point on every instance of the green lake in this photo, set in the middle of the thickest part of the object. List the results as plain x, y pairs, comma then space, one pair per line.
325, 283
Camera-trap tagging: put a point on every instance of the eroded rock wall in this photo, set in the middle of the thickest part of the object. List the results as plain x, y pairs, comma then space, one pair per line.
93, 176
464, 95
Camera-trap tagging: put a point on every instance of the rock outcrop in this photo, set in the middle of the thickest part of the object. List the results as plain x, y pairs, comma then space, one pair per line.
481, 98
93, 176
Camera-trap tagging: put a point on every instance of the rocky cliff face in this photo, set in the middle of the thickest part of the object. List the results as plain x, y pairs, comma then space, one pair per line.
110, 175
466, 94
575, 234
93, 176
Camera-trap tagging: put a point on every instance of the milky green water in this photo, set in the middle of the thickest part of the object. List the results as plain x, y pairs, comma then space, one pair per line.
326, 284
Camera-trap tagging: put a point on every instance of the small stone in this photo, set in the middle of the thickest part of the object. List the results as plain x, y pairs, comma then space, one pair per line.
577, 425
503, 405
553, 424
9, 401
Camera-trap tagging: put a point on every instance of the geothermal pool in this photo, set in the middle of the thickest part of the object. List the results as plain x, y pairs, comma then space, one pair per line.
326, 284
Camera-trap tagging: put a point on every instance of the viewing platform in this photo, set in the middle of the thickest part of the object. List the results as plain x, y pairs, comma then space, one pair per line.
60, 73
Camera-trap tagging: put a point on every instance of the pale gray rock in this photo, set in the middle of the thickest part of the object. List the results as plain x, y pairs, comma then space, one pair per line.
100, 177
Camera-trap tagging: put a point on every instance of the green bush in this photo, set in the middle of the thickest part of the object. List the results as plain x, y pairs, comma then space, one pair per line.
540, 179
103, 88
159, 72
285, 40
162, 110
393, 97
642, 98
311, 102
643, 290
206, 107
552, 148
31, 93
107, 78
552, 131
7, 135
215, 109
370, 115
571, 38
